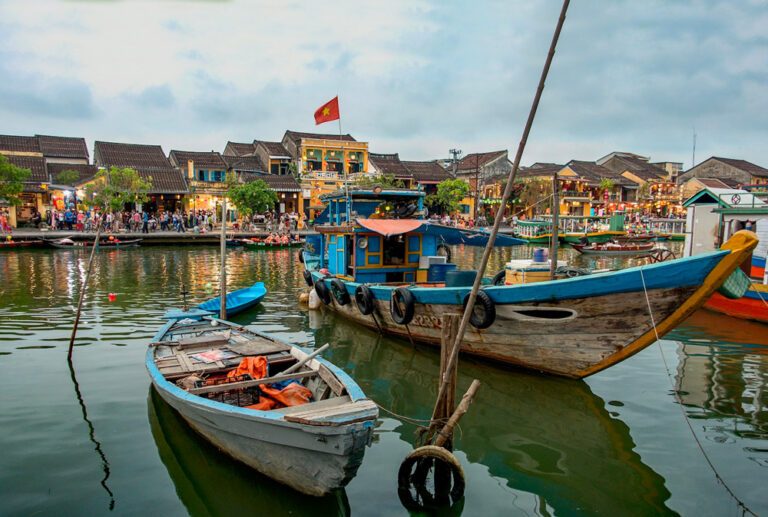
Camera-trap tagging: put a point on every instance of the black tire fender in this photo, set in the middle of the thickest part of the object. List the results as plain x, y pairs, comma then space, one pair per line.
499, 278
444, 250
339, 291
364, 299
301, 255
486, 315
308, 278
402, 296
323, 292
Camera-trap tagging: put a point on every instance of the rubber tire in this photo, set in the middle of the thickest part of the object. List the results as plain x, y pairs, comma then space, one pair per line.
437, 454
446, 252
499, 277
308, 278
489, 311
339, 291
323, 292
404, 296
301, 255
364, 299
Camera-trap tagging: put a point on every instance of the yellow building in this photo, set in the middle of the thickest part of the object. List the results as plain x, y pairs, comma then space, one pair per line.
324, 162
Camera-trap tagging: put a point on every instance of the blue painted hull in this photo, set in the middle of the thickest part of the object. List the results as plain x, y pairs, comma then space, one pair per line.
237, 301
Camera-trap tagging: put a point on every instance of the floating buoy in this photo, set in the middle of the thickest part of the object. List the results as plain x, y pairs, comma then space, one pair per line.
314, 300
112, 297
304, 298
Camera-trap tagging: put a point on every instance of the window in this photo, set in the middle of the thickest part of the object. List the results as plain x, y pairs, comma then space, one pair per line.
394, 250
202, 175
217, 175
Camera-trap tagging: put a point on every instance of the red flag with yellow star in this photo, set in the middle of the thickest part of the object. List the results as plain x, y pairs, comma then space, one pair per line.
328, 111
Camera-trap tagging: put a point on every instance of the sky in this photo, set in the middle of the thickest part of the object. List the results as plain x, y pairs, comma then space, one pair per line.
413, 77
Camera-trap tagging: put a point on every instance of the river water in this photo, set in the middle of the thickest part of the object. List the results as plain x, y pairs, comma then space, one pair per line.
97, 440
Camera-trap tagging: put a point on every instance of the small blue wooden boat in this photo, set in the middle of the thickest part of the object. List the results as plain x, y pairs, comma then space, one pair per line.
237, 301
314, 447
384, 272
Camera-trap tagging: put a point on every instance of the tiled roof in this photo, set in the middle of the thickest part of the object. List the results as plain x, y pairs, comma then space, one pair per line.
284, 183
164, 180
35, 164
427, 172
593, 172
751, 168
63, 147
544, 165
21, 144
640, 168
296, 136
240, 149
390, 164
244, 163
712, 182
203, 160
475, 160
539, 170
273, 148
130, 155
86, 171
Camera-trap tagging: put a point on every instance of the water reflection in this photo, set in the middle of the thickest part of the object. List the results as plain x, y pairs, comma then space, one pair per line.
209, 483
543, 435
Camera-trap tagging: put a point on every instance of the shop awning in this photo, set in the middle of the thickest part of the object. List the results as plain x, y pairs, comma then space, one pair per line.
389, 227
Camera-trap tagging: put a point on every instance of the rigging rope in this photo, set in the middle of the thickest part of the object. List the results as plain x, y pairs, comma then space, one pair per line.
679, 401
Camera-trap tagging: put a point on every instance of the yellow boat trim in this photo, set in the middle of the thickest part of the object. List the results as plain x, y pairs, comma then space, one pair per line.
741, 245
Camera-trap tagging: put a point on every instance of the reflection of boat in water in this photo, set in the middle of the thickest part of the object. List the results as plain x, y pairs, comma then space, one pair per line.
548, 436
209, 483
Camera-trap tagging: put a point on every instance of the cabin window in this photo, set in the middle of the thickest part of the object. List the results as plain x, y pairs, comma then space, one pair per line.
394, 250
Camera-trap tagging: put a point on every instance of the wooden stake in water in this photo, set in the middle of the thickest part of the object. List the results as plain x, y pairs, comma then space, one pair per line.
82, 292
223, 310
555, 226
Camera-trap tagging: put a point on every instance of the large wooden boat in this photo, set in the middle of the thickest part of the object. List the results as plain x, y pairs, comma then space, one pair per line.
262, 245
573, 327
611, 248
237, 301
534, 231
196, 362
12, 244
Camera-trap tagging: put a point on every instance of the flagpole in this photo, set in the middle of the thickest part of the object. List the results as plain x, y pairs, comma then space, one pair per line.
344, 169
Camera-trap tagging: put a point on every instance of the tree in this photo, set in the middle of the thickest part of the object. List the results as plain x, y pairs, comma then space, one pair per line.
643, 191
255, 196
67, 177
113, 188
11, 181
536, 194
449, 194
385, 181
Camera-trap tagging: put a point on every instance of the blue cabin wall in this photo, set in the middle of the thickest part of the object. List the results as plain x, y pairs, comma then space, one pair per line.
429, 245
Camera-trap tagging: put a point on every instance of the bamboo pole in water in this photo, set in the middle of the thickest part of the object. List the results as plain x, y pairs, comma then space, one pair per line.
499, 214
82, 292
223, 309
555, 226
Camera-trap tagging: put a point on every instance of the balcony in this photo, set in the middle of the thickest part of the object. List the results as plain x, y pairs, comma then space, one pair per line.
575, 195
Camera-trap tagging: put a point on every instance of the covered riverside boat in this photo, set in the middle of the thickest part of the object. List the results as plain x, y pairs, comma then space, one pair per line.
67, 243
379, 272
613, 248
269, 404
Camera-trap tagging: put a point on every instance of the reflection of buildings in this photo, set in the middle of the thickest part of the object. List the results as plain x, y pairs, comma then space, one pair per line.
725, 376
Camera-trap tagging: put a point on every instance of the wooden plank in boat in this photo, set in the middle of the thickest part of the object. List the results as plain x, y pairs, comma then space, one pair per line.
331, 380
216, 339
314, 406
355, 411
258, 346
184, 362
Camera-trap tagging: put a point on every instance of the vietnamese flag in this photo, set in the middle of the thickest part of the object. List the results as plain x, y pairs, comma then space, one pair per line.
328, 111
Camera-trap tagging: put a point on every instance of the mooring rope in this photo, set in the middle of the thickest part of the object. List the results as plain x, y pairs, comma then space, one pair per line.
679, 401
420, 423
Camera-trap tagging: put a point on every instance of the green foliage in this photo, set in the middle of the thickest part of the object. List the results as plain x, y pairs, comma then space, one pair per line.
67, 177
449, 195
643, 191
606, 184
384, 181
11, 181
293, 169
113, 188
535, 193
251, 197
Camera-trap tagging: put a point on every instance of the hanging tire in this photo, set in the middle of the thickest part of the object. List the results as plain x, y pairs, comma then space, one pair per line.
339, 291
484, 312
308, 278
499, 278
323, 292
301, 255
401, 305
444, 251
364, 299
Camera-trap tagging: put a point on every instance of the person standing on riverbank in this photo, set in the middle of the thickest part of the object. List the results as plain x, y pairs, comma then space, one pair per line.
145, 223
4, 222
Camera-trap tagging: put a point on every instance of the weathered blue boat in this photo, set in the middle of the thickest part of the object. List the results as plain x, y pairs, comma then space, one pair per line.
377, 269
237, 301
314, 447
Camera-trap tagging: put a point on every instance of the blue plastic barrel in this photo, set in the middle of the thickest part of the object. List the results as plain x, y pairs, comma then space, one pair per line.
540, 254
457, 278
437, 272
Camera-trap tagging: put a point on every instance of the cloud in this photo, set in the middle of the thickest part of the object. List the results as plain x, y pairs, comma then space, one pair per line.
153, 97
